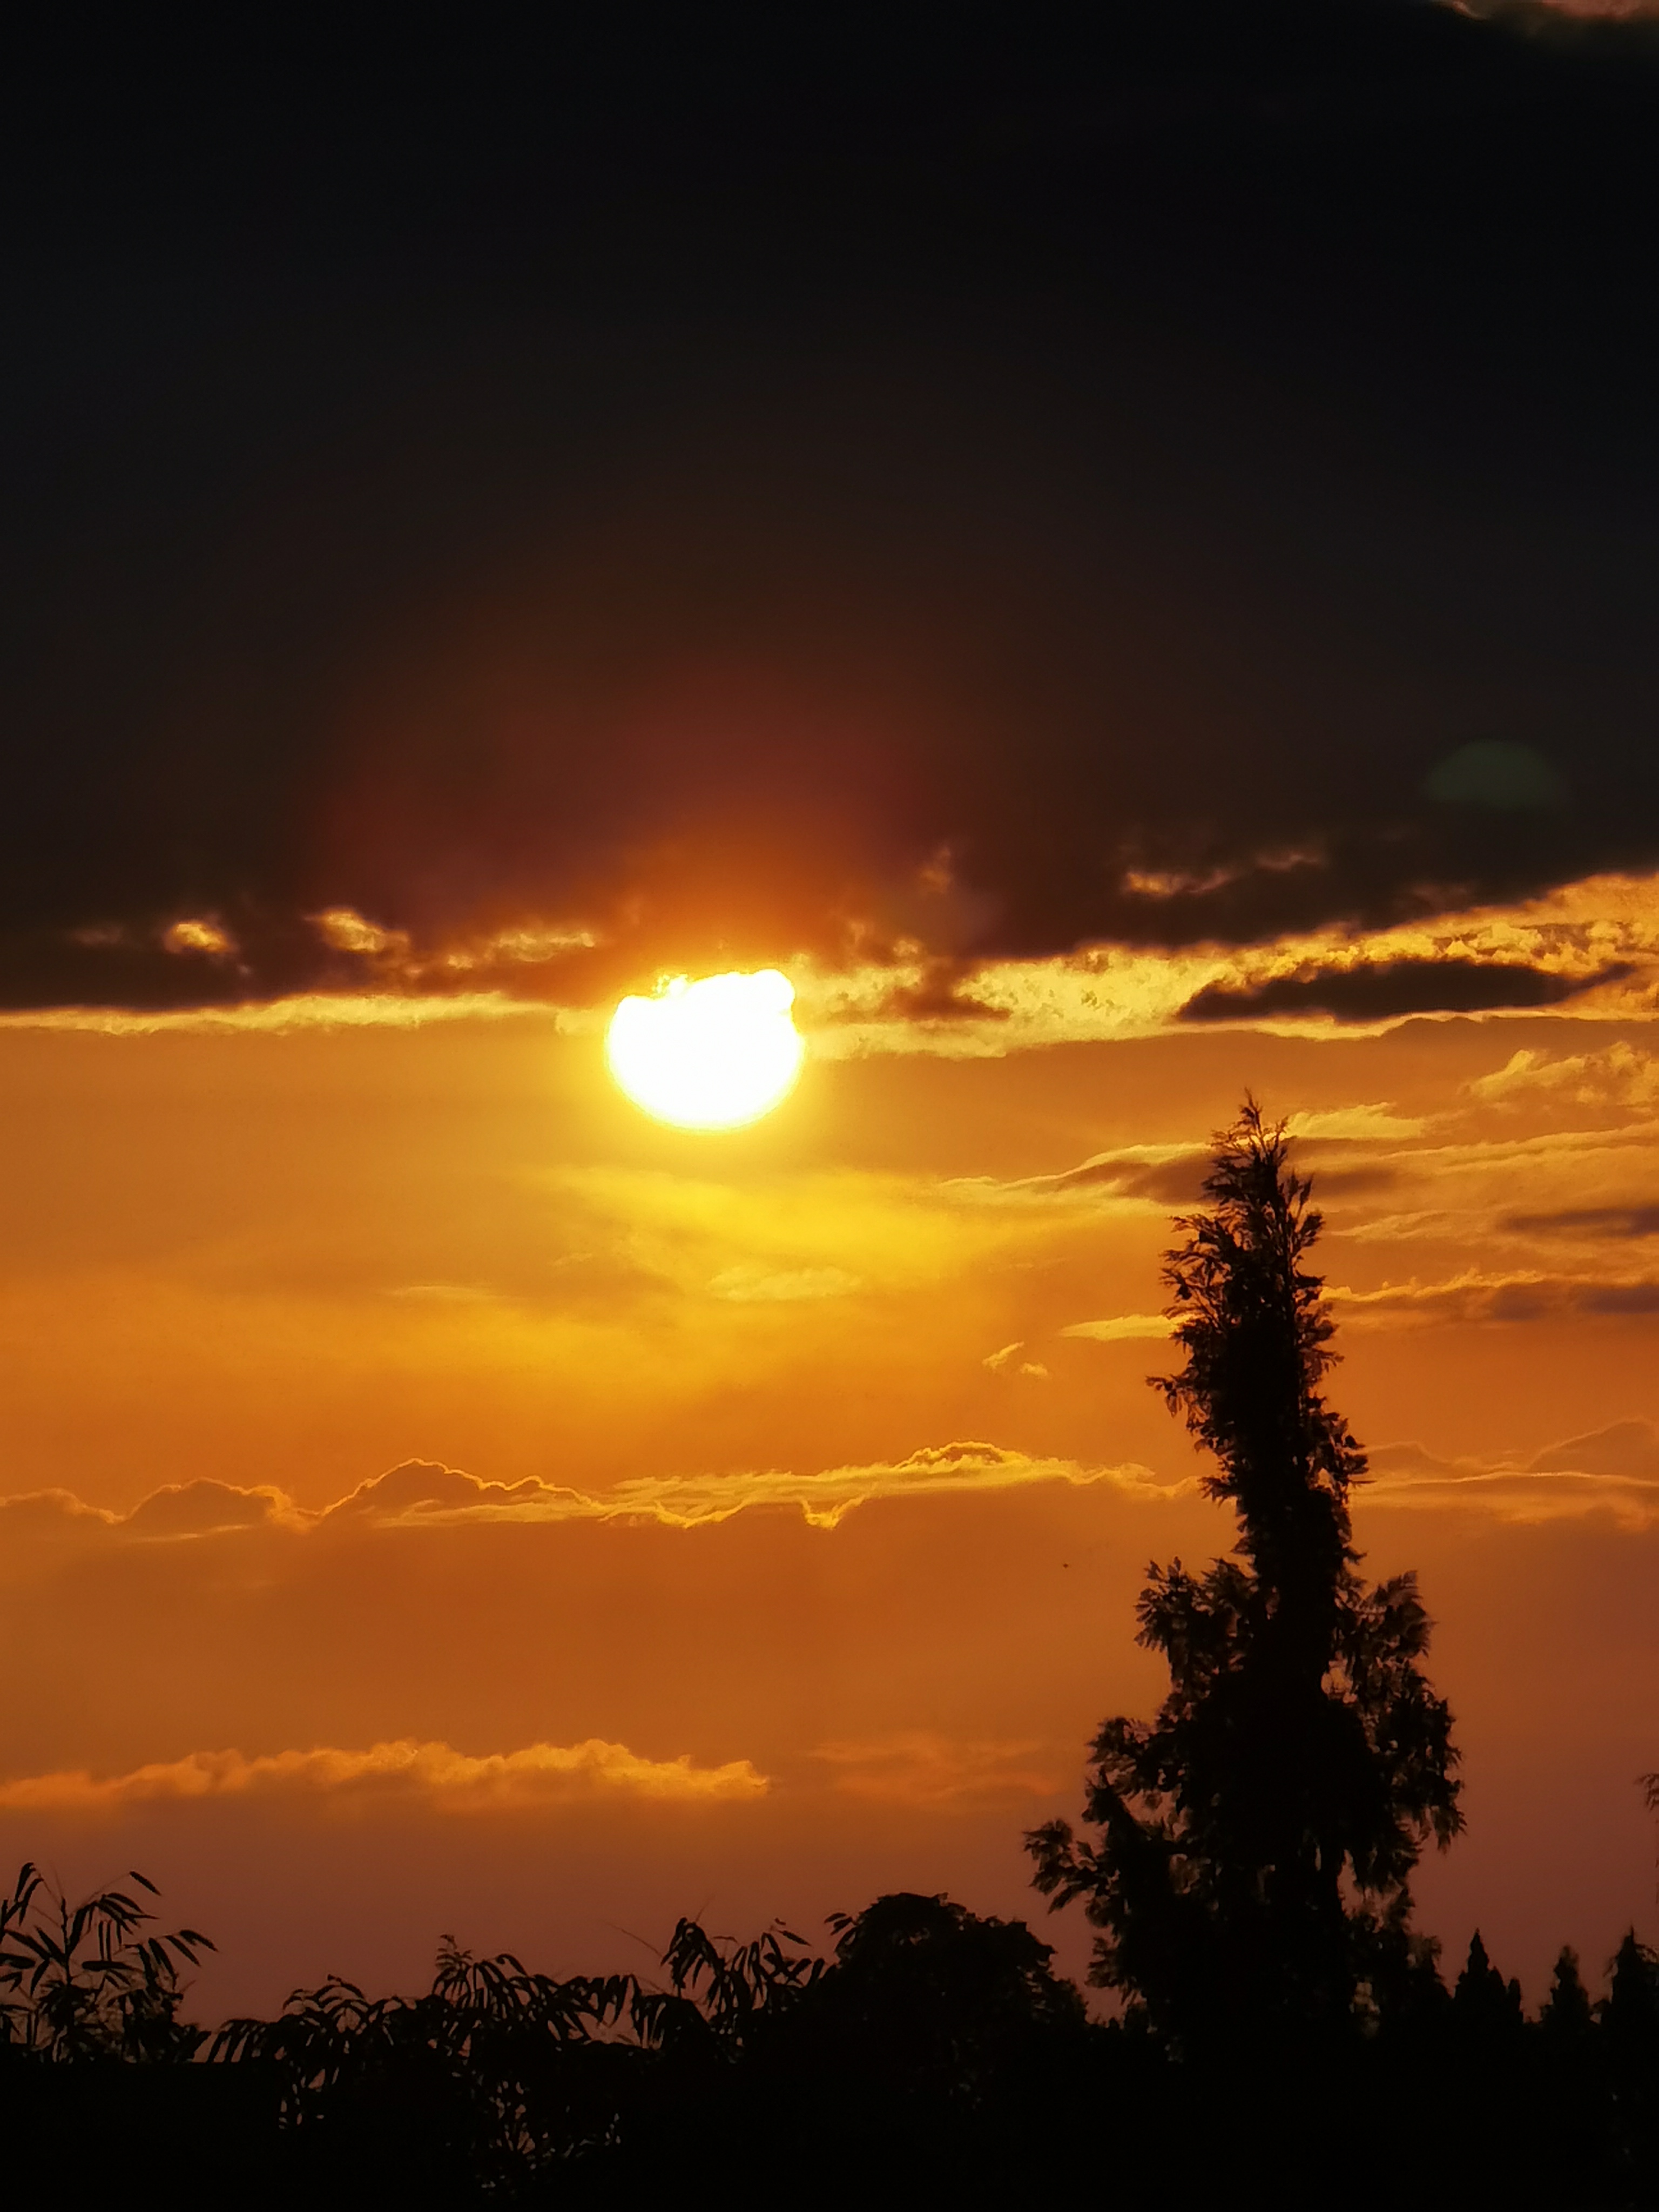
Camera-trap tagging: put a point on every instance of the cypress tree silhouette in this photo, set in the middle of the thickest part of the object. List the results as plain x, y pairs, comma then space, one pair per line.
1484, 2004
1565, 2016
1256, 1839
1628, 2013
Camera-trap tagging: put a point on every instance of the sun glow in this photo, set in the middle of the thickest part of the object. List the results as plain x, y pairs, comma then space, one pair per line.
712, 1055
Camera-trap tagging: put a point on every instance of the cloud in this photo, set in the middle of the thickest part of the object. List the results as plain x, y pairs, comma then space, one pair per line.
1627, 1450
1620, 1223
1389, 990
1122, 1328
1590, 948
1620, 1074
194, 935
449, 1781
925, 1769
1613, 1473
1154, 1176
425, 1494
206, 1508
1478, 1296
751, 1285
1008, 1361
419, 1496
1356, 1124
744, 632
297, 1010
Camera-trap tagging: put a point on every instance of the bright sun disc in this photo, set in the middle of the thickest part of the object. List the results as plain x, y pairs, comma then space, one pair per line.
711, 1054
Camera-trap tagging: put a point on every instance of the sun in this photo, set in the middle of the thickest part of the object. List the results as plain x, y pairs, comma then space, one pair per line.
710, 1054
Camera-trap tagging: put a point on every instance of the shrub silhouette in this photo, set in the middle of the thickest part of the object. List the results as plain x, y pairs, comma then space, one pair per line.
923, 2021
494, 2072
1256, 1839
85, 1981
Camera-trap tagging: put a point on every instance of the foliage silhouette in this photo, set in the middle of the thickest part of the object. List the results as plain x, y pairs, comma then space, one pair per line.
494, 2072
84, 1981
1257, 1838
918, 2028
932, 2053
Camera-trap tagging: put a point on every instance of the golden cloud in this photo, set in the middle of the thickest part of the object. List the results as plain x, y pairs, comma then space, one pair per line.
305, 1010
1121, 1328
424, 1494
1621, 1075
1356, 1124
1591, 948
193, 934
449, 1781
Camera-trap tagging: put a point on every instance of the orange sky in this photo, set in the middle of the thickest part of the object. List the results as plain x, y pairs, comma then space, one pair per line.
779, 1499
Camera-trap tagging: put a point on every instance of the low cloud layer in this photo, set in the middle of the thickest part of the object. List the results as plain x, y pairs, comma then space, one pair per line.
424, 1494
449, 1781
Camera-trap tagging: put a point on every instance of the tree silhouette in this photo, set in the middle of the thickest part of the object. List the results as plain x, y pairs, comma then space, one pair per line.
493, 2074
1257, 1838
1485, 2005
939, 2000
1565, 2017
1628, 2013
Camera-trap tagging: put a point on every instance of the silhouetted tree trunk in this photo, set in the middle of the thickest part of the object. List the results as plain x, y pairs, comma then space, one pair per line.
1256, 1839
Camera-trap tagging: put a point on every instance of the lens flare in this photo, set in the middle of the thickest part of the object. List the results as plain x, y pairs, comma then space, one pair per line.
712, 1055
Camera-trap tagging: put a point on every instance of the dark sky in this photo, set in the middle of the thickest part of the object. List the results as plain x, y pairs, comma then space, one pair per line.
684, 473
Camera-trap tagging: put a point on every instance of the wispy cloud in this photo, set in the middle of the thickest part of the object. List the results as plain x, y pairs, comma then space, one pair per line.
1477, 1294
1141, 1178
1619, 1075
750, 1286
1613, 1473
1121, 1328
309, 1010
1369, 1124
921, 1769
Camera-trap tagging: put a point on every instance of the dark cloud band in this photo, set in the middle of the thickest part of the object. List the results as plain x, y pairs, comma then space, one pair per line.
825, 489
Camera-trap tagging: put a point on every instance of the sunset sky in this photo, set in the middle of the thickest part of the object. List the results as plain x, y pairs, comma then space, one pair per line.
1122, 562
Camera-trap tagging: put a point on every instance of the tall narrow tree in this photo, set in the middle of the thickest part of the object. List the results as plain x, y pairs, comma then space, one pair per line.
1255, 1840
